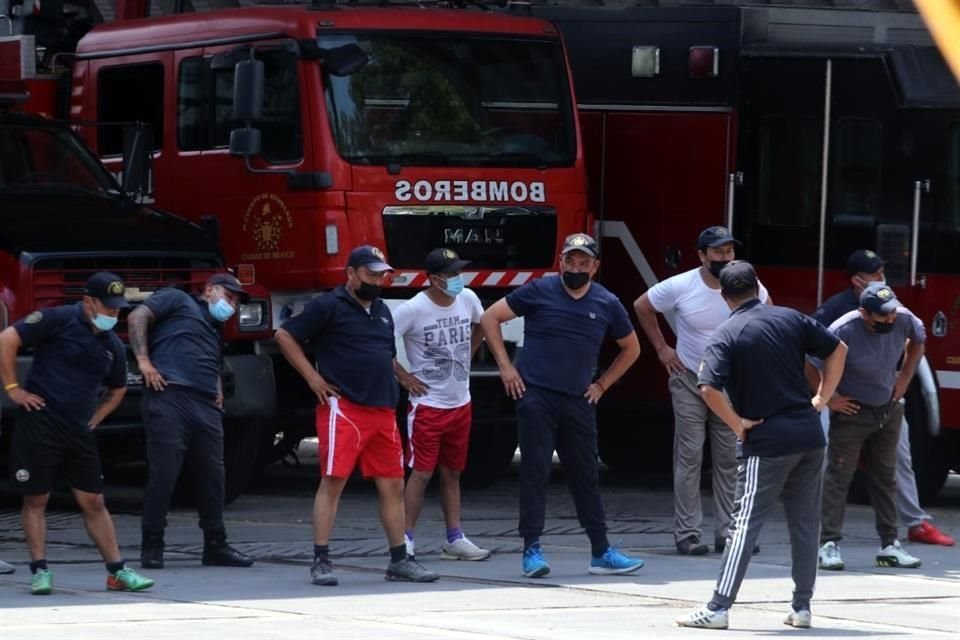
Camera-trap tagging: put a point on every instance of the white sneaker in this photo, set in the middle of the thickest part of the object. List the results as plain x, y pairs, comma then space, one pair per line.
893, 555
411, 548
6, 567
829, 557
703, 618
799, 619
462, 549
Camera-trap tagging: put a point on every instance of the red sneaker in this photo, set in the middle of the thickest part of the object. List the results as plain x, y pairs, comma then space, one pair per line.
927, 533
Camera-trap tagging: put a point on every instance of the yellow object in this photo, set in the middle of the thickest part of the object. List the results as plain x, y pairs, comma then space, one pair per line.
943, 21
12, 385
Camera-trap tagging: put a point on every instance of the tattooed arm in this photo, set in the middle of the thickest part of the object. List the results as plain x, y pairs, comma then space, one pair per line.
137, 324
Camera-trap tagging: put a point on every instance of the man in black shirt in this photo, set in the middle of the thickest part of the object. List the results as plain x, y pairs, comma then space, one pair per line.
757, 356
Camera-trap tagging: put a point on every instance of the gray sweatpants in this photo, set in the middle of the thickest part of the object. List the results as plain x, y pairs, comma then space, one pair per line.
760, 481
693, 420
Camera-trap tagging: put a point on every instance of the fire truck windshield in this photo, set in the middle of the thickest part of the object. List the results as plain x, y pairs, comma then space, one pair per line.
47, 157
452, 100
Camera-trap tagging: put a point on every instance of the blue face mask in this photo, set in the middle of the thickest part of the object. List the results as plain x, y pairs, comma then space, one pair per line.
454, 286
104, 323
221, 310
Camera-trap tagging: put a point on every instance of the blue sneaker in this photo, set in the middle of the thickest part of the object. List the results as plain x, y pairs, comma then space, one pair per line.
614, 563
534, 564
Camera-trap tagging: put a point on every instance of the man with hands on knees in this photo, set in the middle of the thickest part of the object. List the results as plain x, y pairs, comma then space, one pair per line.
566, 319
76, 356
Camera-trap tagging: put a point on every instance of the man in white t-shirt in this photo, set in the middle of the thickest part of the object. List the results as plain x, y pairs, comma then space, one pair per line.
694, 300
440, 332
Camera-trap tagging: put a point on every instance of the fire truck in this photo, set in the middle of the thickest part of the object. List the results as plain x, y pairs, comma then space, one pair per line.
306, 130
812, 132
66, 217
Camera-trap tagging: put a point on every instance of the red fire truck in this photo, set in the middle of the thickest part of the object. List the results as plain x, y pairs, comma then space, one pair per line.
812, 132
307, 130
65, 217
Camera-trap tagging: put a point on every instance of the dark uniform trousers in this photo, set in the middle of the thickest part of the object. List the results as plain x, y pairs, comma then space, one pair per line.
546, 421
183, 422
875, 431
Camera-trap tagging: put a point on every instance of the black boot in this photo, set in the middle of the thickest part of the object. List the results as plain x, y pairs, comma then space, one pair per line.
151, 550
217, 553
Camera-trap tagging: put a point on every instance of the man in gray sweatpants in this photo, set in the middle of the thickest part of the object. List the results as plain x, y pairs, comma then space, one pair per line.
757, 356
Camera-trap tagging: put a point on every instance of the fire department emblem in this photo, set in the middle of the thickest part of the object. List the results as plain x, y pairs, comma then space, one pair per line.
578, 241
375, 251
34, 318
884, 294
115, 288
869, 254
22, 475
266, 219
449, 255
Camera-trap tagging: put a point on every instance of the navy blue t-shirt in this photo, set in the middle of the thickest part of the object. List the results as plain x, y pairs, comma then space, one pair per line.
354, 347
562, 335
71, 363
836, 306
757, 356
185, 343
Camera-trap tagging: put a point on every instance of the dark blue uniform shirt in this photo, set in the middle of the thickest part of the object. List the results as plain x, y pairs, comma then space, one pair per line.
185, 343
836, 306
562, 335
71, 363
757, 356
354, 347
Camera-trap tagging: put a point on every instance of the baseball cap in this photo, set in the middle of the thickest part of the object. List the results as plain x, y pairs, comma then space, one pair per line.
229, 282
368, 256
444, 261
878, 298
864, 261
737, 278
715, 237
107, 288
580, 242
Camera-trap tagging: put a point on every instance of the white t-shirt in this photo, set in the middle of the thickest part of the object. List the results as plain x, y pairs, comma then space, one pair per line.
437, 341
698, 310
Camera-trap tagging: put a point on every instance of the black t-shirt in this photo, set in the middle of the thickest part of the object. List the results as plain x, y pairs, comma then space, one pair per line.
354, 347
562, 335
71, 363
836, 306
185, 342
757, 356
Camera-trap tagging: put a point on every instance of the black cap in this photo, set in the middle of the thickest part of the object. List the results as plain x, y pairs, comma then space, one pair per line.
444, 261
737, 278
715, 237
107, 288
864, 261
370, 257
878, 298
229, 282
580, 242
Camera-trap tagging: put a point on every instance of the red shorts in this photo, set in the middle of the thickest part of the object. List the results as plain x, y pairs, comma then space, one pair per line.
350, 432
438, 436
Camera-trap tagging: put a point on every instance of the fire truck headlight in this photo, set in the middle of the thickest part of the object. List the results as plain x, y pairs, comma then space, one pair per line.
252, 316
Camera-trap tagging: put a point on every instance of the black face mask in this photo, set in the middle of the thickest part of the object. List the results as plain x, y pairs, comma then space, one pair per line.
716, 266
367, 291
882, 327
575, 280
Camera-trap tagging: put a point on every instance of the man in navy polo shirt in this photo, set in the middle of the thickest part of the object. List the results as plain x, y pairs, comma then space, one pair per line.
176, 339
76, 356
350, 331
757, 357
566, 319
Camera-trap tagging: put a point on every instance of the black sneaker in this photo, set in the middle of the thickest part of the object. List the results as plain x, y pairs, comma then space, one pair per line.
720, 544
691, 547
151, 551
225, 556
321, 573
409, 570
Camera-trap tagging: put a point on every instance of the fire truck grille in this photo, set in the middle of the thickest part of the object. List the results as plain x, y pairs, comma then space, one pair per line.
489, 237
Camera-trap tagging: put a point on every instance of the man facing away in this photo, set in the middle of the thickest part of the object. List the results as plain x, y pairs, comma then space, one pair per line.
566, 319
440, 331
694, 299
76, 356
350, 331
863, 267
757, 357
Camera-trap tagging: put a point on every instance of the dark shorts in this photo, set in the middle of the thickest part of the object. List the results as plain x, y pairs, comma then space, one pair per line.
45, 446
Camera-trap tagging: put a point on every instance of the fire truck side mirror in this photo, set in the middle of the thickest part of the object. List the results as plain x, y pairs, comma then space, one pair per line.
245, 142
137, 158
248, 90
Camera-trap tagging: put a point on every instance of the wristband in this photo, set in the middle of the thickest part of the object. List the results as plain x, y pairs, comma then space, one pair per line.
12, 385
